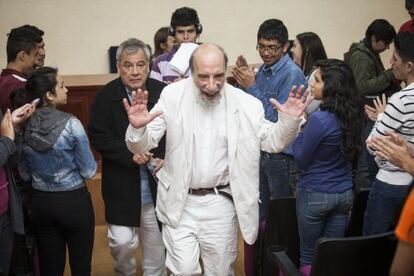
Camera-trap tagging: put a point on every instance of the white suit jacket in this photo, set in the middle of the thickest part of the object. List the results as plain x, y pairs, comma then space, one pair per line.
248, 132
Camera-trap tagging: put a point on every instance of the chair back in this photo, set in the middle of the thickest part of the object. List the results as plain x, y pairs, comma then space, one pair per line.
281, 229
368, 255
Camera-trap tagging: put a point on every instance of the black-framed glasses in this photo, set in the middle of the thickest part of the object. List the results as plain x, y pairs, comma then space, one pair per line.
273, 49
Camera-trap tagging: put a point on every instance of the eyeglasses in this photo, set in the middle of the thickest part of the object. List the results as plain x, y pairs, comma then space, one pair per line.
271, 49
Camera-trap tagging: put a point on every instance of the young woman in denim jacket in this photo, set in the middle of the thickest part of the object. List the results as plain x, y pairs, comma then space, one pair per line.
57, 159
324, 152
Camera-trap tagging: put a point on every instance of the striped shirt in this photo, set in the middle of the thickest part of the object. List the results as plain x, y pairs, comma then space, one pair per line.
397, 117
161, 69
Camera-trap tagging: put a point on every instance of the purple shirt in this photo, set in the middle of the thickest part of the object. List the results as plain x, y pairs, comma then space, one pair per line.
161, 69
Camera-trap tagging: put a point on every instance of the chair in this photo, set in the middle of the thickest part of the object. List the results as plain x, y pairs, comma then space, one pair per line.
281, 229
356, 256
356, 220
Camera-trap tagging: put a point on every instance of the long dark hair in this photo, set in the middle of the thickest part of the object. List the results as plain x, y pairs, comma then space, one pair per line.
342, 98
161, 36
312, 51
41, 81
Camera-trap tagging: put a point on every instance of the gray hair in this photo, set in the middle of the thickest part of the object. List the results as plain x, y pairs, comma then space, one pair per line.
131, 46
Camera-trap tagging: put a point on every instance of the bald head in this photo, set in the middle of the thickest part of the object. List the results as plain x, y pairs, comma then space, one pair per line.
207, 51
208, 67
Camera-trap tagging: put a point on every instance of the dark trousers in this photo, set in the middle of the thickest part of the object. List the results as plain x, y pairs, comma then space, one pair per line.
63, 219
6, 243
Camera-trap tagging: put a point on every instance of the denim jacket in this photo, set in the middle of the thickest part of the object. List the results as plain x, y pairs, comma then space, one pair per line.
66, 162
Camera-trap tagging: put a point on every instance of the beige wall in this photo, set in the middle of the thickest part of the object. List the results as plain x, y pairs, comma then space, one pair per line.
79, 32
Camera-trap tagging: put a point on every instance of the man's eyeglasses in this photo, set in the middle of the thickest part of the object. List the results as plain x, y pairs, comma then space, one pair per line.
272, 49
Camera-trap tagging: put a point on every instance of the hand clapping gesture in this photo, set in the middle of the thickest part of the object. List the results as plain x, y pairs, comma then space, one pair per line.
138, 114
296, 103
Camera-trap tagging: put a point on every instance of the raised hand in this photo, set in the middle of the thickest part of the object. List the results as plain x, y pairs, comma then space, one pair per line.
380, 105
296, 103
138, 114
244, 75
7, 126
20, 115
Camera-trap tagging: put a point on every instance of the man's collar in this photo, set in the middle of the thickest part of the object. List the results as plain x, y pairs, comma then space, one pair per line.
277, 65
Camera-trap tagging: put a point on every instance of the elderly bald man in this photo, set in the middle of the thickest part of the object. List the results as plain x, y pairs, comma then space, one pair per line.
209, 182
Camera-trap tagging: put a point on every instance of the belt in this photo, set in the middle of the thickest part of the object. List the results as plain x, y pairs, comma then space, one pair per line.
215, 190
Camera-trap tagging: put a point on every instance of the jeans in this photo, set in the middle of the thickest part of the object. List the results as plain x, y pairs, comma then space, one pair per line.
6, 242
63, 219
279, 176
320, 215
383, 207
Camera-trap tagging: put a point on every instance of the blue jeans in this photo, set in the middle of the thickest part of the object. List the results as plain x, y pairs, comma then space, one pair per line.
320, 215
279, 176
383, 207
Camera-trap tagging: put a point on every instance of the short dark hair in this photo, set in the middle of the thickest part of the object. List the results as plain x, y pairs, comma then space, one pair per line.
404, 46
312, 50
34, 29
409, 4
273, 29
382, 30
184, 16
21, 39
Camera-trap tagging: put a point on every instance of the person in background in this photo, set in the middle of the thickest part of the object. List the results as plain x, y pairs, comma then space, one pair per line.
57, 160
408, 26
128, 187
11, 208
274, 79
398, 152
40, 46
392, 183
21, 60
324, 152
306, 50
372, 80
185, 27
163, 43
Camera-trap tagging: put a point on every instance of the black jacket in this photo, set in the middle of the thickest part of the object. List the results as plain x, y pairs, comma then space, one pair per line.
108, 122
8, 151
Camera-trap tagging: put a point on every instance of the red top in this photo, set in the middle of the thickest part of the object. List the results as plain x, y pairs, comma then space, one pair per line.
407, 27
9, 81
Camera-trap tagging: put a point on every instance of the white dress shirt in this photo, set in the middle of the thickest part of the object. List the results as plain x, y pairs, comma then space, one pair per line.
210, 162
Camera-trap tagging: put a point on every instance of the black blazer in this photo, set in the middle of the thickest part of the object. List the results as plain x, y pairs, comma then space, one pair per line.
121, 189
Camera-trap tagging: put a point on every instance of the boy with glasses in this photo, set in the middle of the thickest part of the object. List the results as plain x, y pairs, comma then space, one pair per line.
274, 79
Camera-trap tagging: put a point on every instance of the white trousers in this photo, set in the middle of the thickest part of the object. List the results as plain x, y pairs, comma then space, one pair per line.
124, 240
208, 228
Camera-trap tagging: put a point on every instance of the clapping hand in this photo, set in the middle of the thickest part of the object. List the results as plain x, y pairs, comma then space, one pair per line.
138, 114
296, 103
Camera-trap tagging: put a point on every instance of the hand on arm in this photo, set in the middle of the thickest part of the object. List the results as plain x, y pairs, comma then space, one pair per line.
138, 114
296, 103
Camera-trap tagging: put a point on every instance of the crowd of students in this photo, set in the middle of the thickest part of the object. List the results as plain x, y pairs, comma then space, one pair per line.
358, 133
